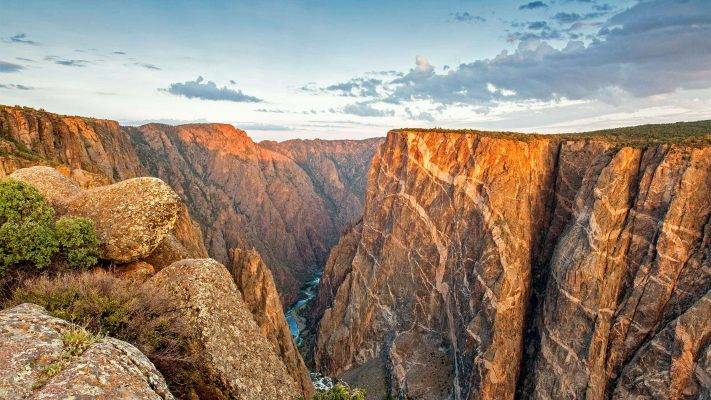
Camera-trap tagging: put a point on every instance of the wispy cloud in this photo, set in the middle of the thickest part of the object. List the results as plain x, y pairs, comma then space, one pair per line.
256, 126
21, 38
15, 86
466, 17
533, 5
145, 65
10, 67
208, 90
652, 48
68, 62
365, 110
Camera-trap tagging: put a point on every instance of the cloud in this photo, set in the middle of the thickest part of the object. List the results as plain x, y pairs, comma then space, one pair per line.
466, 17
533, 5
120, 53
365, 110
146, 66
13, 86
208, 90
651, 48
21, 38
421, 116
10, 67
266, 110
67, 62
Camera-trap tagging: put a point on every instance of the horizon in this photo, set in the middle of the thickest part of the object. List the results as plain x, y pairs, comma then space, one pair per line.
310, 69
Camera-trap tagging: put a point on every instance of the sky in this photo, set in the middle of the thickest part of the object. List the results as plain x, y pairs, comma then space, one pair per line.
333, 69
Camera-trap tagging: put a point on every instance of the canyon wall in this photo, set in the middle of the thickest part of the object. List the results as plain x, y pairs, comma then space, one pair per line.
290, 200
493, 265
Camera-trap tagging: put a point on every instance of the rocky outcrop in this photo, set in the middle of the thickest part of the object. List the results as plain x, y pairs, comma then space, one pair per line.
244, 194
42, 357
495, 265
237, 361
256, 284
97, 146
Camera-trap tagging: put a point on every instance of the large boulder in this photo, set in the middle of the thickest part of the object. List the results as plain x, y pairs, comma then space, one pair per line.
52, 185
132, 217
237, 361
41, 358
255, 282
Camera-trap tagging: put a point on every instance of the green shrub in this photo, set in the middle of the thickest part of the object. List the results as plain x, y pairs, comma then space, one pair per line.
106, 305
340, 392
78, 241
27, 232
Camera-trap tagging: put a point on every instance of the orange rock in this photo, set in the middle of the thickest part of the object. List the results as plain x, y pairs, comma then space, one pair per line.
136, 270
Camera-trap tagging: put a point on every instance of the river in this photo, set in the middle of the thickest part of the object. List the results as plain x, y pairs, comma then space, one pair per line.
297, 323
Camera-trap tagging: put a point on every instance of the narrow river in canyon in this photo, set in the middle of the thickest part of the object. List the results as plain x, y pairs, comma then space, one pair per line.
296, 318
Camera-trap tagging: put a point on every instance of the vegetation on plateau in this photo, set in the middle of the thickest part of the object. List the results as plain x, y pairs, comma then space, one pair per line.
340, 392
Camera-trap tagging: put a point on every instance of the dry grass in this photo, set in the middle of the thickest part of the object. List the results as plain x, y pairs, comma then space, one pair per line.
106, 305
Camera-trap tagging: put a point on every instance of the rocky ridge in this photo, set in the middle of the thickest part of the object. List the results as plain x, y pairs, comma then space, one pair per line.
495, 265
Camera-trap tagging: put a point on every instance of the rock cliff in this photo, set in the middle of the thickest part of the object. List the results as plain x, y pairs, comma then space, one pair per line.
492, 265
235, 358
288, 200
256, 284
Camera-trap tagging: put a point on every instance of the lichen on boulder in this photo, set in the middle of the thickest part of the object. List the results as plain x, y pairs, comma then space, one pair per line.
236, 360
42, 357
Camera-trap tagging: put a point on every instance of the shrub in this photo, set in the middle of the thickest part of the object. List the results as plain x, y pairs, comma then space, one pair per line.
27, 232
78, 241
340, 392
106, 305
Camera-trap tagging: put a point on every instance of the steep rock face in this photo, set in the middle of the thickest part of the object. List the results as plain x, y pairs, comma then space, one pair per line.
248, 195
37, 137
256, 284
487, 264
39, 360
338, 170
238, 361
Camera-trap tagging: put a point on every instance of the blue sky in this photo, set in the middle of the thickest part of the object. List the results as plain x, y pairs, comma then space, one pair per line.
356, 69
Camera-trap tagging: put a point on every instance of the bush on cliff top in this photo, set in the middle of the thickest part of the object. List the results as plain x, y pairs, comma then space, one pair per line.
78, 241
27, 233
29, 236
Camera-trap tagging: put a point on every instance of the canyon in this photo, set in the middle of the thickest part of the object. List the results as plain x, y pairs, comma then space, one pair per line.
455, 264
501, 266
290, 201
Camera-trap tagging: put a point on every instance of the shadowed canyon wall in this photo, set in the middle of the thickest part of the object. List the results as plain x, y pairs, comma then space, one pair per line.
501, 265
